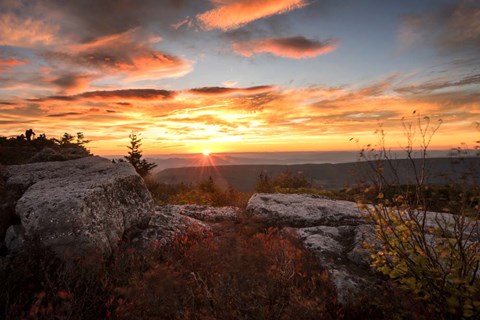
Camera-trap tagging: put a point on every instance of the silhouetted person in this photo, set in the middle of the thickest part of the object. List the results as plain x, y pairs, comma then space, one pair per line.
21, 137
29, 133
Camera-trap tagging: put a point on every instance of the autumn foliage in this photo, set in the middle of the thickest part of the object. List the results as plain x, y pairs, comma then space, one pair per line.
435, 256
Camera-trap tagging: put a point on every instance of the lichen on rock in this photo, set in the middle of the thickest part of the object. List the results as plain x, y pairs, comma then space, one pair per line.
79, 205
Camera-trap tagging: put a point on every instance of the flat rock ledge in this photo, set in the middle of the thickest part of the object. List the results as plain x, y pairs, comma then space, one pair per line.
78, 205
170, 221
334, 230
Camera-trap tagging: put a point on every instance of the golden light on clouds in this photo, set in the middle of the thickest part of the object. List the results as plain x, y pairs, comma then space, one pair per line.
234, 14
237, 75
240, 119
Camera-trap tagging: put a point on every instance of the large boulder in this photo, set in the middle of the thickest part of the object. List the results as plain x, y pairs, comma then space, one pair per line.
78, 205
333, 230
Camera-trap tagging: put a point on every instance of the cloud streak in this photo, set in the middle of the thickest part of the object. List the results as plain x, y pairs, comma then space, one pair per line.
229, 15
126, 94
251, 118
25, 32
297, 47
221, 91
6, 64
128, 53
453, 28
438, 85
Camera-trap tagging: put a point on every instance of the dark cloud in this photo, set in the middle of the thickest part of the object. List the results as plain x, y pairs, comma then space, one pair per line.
297, 47
73, 81
214, 91
106, 17
436, 85
130, 53
130, 94
64, 114
453, 28
448, 101
116, 94
11, 122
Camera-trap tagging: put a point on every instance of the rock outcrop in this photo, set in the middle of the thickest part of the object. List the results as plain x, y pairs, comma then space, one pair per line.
170, 221
336, 231
333, 229
77, 205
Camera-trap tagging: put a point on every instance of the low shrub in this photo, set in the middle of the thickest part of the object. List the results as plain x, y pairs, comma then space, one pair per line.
204, 193
241, 270
437, 257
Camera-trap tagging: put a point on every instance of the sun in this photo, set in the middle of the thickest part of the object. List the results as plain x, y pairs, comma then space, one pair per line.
206, 152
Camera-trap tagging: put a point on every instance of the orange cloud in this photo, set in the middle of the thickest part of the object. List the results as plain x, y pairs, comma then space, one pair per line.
128, 53
25, 32
293, 47
8, 63
12, 62
233, 14
262, 118
73, 82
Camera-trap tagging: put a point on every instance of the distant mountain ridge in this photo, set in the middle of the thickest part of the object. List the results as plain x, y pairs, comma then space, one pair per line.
265, 158
327, 175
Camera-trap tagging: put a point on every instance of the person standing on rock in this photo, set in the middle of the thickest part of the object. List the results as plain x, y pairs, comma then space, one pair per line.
29, 133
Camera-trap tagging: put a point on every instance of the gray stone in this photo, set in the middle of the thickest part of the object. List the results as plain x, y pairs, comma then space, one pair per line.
79, 205
297, 210
333, 230
336, 232
14, 238
47, 154
167, 223
206, 213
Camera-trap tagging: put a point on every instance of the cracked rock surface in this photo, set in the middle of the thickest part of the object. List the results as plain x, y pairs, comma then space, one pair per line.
78, 205
170, 221
333, 229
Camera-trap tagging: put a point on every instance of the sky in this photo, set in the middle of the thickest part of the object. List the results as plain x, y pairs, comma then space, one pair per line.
240, 75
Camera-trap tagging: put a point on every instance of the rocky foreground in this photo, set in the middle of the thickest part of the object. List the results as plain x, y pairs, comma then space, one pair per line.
92, 204
74, 205
333, 229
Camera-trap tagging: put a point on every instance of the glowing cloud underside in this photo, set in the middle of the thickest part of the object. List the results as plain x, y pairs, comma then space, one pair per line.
234, 14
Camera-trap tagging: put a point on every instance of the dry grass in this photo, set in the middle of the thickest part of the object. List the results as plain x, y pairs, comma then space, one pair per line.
242, 270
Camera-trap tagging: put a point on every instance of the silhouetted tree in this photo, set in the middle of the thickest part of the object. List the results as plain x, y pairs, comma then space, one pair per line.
208, 185
264, 184
66, 139
81, 139
142, 166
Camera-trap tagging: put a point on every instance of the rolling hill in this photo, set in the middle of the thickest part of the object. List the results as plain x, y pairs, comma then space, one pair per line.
327, 175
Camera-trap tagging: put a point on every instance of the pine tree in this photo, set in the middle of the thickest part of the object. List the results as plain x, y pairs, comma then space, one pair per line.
67, 139
142, 166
